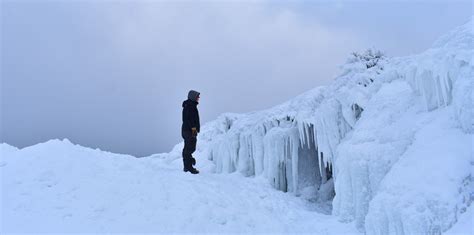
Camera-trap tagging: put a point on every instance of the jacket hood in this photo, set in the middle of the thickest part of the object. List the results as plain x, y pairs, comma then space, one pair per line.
193, 95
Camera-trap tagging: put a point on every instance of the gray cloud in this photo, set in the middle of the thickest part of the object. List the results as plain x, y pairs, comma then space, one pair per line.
113, 74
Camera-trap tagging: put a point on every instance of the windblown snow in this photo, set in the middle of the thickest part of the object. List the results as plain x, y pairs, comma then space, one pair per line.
386, 148
59, 187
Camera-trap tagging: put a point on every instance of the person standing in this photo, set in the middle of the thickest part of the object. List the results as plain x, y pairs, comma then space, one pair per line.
189, 130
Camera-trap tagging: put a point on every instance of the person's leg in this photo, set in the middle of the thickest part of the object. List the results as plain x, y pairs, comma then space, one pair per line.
192, 149
187, 151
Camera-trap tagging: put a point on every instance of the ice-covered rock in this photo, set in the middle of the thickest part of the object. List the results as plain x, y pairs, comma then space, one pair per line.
376, 138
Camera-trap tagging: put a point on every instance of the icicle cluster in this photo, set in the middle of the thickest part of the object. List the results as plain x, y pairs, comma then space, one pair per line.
282, 150
294, 145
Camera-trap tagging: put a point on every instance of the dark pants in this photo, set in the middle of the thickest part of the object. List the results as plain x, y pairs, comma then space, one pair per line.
189, 148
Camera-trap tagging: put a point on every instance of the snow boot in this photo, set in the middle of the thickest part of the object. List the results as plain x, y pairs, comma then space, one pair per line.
189, 167
192, 170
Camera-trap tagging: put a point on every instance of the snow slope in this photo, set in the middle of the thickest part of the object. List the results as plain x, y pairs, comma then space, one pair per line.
389, 144
59, 187
464, 225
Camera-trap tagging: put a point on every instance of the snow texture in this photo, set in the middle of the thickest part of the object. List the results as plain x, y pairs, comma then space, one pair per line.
59, 187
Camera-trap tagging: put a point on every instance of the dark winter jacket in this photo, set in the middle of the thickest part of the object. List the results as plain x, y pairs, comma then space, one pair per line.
191, 113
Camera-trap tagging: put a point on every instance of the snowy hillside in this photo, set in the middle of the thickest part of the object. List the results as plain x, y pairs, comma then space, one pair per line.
389, 144
59, 187
386, 148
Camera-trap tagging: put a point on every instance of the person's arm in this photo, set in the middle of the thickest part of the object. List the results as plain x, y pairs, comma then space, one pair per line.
198, 123
189, 114
187, 117
194, 120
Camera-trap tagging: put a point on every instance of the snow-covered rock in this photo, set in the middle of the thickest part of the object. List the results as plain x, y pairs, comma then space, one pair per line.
393, 138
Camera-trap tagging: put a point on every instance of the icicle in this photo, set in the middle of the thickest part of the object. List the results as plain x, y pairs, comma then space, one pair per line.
294, 163
437, 90
447, 85
300, 132
315, 137
306, 134
302, 138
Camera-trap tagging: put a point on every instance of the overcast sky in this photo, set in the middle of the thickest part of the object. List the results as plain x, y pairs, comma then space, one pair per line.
113, 74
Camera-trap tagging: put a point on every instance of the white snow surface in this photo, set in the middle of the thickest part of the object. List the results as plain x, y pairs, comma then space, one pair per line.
386, 148
465, 225
60, 187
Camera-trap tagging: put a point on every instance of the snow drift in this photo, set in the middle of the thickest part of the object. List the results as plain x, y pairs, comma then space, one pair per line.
59, 187
389, 142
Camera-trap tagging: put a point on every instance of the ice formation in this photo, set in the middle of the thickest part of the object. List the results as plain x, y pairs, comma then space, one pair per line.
389, 140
